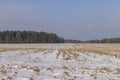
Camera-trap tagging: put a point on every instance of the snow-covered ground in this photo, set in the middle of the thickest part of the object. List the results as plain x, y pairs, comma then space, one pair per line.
53, 64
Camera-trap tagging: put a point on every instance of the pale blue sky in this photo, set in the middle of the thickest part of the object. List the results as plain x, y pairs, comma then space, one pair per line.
71, 19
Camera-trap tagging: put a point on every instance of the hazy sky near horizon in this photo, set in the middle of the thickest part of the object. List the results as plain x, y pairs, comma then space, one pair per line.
71, 19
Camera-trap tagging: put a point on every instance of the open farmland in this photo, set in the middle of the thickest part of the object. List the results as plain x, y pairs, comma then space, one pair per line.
59, 61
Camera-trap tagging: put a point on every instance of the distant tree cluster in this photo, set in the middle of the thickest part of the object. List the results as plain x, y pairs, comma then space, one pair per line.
29, 37
107, 40
73, 41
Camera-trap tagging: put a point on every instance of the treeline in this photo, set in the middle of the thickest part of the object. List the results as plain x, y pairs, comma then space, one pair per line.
44, 37
73, 41
106, 40
29, 37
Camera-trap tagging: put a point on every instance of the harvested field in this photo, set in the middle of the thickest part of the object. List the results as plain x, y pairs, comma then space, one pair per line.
59, 61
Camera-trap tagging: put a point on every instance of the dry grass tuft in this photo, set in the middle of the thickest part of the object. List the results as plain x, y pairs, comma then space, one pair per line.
31, 79
50, 69
9, 78
94, 76
66, 73
105, 70
117, 71
65, 68
36, 69
3, 72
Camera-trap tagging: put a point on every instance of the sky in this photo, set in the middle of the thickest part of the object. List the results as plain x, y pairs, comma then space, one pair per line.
71, 19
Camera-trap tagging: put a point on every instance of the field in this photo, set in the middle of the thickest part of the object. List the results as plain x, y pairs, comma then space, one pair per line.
59, 61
